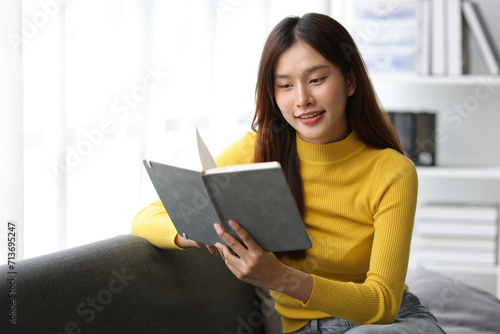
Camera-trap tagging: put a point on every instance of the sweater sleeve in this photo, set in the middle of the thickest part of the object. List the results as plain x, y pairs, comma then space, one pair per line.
378, 298
153, 223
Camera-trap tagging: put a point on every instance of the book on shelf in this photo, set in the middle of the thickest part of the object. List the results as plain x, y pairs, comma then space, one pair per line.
463, 243
424, 37
416, 131
256, 196
458, 221
442, 29
459, 212
481, 36
454, 38
404, 125
438, 41
424, 152
453, 250
462, 229
458, 233
456, 256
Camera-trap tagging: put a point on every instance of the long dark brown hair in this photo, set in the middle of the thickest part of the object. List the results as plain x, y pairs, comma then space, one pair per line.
276, 139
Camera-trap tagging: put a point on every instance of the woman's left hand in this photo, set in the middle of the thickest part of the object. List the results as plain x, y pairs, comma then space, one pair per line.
252, 264
255, 266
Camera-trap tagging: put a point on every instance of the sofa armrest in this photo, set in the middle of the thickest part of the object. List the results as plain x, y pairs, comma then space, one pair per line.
126, 285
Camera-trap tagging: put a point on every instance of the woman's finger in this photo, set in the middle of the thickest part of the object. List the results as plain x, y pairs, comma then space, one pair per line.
230, 241
247, 239
212, 249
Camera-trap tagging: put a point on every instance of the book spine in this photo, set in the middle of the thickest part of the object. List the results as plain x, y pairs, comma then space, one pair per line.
457, 257
465, 243
416, 131
424, 37
438, 37
481, 36
404, 125
454, 37
213, 188
460, 212
452, 250
424, 141
451, 230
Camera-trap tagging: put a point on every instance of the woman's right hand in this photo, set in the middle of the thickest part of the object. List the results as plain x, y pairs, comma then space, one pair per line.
186, 243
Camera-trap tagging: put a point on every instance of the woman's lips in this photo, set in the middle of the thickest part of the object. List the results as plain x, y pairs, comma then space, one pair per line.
311, 117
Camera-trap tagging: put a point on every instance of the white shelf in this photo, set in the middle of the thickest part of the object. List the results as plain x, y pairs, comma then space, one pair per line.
450, 80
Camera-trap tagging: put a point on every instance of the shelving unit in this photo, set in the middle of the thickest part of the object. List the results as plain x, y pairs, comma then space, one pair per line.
467, 154
468, 112
467, 108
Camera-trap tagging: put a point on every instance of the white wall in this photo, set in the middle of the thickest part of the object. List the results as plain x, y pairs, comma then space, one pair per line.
11, 145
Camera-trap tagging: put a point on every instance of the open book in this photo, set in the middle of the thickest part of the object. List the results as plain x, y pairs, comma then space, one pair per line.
256, 196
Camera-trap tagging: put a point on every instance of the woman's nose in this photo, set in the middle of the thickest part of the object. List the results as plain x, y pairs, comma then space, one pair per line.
303, 97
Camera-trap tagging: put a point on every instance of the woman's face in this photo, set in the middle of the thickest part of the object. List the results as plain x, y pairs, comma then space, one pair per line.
312, 93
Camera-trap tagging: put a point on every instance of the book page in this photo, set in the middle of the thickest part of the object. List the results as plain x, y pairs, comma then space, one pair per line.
207, 161
244, 167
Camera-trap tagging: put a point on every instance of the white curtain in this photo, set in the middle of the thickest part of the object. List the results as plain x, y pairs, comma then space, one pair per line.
109, 83
11, 135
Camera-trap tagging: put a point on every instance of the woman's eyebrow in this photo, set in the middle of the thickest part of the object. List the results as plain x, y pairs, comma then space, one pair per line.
318, 67
309, 70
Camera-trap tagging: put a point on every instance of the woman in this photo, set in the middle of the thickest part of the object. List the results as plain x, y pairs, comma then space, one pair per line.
318, 115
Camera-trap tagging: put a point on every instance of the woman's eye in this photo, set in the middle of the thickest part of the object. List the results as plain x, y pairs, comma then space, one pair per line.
284, 86
318, 80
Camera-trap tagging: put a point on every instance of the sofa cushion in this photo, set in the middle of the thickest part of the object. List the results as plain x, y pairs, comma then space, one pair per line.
458, 307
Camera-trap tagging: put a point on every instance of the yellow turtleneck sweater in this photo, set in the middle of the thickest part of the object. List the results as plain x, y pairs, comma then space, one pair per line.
359, 210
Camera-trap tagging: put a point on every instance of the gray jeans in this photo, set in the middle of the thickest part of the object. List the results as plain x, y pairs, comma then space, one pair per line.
413, 318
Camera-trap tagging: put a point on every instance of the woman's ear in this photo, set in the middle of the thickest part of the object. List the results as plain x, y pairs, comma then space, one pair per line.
351, 83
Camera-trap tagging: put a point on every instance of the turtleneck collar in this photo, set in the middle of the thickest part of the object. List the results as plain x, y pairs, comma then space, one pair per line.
328, 153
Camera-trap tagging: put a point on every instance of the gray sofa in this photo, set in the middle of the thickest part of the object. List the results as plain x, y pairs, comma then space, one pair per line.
126, 285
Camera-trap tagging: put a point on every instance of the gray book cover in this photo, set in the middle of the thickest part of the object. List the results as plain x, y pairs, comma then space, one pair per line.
256, 196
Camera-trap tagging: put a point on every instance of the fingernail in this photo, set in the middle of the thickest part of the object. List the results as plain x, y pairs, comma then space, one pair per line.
218, 228
231, 223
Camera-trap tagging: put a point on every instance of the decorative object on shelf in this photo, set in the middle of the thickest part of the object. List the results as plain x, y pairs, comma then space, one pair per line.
386, 33
416, 131
457, 234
